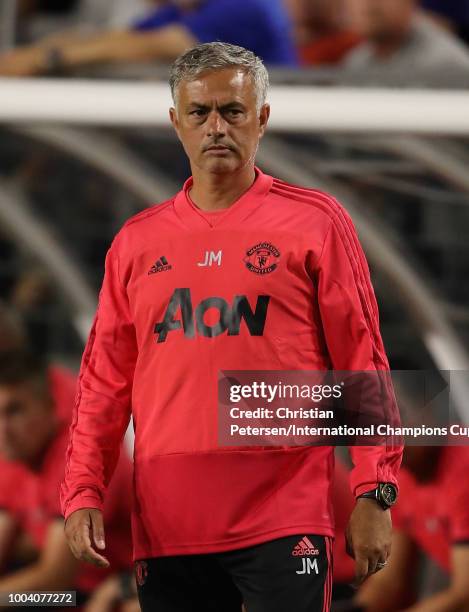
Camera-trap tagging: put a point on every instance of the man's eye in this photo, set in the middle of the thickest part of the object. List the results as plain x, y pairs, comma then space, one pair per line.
198, 112
234, 112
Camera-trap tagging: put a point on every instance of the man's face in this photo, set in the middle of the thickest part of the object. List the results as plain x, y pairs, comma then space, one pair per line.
381, 19
217, 120
26, 420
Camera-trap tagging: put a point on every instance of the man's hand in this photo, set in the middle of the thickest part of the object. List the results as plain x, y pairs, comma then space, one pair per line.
368, 538
83, 529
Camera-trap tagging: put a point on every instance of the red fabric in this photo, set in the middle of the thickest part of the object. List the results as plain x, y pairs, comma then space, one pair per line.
329, 49
12, 479
63, 386
191, 496
13, 475
436, 514
41, 505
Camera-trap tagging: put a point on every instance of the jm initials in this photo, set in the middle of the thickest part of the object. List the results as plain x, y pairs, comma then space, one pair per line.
211, 258
309, 566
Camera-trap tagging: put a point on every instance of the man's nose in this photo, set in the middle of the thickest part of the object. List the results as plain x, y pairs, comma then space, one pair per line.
216, 125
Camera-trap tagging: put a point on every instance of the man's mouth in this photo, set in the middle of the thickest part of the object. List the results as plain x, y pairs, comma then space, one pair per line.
218, 148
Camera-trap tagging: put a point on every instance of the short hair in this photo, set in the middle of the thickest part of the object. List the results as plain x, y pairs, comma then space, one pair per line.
12, 333
217, 56
22, 367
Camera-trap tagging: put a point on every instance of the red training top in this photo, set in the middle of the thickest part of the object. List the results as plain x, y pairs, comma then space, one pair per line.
276, 282
435, 514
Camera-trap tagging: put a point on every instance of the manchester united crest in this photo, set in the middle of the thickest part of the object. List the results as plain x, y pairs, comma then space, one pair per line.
141, 572
262, 258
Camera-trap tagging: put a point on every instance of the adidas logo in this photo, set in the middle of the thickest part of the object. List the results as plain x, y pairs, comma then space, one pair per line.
161, 265
305, 548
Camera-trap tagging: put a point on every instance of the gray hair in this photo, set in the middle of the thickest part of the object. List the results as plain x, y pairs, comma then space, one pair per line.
216, 56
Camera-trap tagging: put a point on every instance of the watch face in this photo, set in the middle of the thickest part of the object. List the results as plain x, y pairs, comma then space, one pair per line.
388, 494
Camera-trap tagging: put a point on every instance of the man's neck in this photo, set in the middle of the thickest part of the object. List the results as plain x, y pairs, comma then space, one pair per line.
212, 191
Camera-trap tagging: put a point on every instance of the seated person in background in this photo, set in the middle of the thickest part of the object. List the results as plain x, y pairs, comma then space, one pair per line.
431, 515
16, 549
259, 25
400, 39
321, 31
35, 412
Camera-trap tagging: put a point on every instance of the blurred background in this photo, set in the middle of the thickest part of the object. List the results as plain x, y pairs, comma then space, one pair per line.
369, 100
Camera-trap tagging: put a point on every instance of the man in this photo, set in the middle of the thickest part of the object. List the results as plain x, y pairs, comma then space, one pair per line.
260, 25
322, 34
15, 477
402, 41
14, 550
432, 516
185, 296
35, 407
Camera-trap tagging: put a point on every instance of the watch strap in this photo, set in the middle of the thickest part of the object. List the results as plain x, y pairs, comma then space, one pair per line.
377, 495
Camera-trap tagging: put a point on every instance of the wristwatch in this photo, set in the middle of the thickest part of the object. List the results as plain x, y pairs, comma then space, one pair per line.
385, 494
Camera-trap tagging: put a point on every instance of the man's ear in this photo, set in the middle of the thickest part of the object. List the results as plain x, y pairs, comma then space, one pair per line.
174, 120
264, 118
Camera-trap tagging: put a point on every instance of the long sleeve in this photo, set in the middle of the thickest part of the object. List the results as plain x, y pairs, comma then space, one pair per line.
103, 400
349, 315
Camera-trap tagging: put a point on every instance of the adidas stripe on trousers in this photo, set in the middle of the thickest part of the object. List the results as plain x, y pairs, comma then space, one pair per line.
291, 573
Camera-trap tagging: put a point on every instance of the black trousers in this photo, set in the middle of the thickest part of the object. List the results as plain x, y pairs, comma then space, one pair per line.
292, 574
